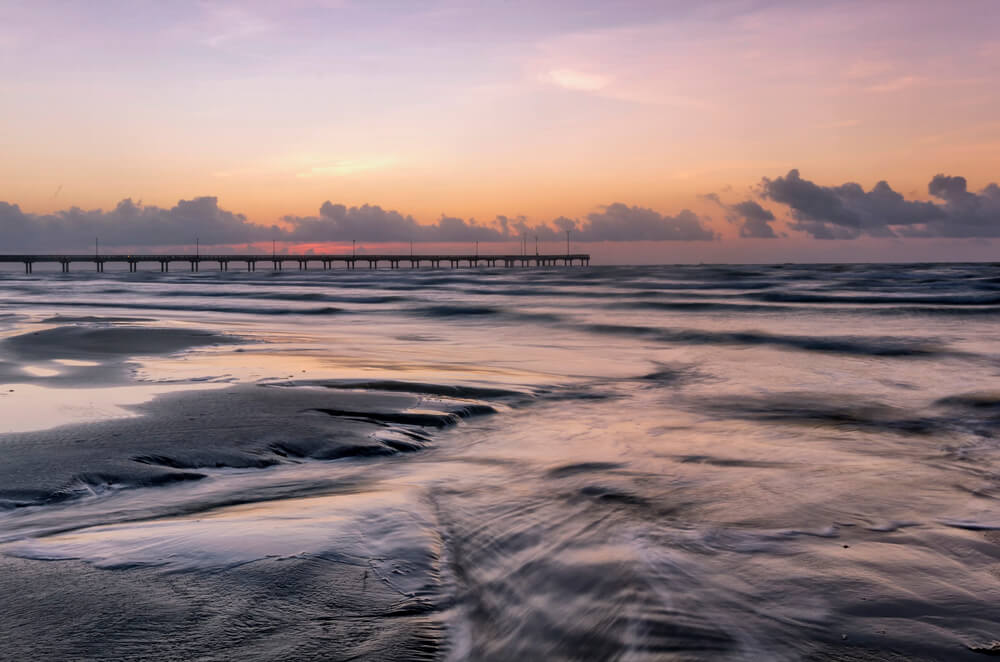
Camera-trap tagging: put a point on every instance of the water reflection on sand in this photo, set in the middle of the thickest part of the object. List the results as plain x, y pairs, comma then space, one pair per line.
673, 463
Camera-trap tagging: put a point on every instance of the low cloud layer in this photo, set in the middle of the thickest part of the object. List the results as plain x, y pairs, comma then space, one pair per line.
132, 224
615, 222
845, 211
848, 211
128, 224
371, 223
640, 224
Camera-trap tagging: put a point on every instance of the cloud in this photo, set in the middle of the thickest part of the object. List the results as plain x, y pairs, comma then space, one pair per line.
128, 224
848, 211
755, 221
619, 222
131, 224
615, 222
371, 223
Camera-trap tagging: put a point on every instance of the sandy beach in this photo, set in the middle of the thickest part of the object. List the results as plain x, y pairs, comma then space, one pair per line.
452, 467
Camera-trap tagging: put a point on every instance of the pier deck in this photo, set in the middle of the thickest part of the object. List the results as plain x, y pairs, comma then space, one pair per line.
277, 262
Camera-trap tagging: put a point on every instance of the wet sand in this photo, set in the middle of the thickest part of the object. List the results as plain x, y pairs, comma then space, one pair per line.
544, 468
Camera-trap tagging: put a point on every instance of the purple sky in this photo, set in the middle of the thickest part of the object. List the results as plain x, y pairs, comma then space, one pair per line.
654, 131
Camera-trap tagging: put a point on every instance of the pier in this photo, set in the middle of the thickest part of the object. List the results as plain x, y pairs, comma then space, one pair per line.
301, 261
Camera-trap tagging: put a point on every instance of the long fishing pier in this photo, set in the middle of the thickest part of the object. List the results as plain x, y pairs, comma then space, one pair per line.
277, 262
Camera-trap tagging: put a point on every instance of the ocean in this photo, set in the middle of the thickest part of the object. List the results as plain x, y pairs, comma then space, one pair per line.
785, 462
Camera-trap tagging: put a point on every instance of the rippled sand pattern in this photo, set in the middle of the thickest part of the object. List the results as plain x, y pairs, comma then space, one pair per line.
664, 463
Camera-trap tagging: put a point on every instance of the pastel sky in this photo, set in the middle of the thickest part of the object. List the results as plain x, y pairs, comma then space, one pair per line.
533, 110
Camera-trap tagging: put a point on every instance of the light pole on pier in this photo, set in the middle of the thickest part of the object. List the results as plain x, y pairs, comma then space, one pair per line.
354, 247
536, 245
197, 246
567, 243
97, 247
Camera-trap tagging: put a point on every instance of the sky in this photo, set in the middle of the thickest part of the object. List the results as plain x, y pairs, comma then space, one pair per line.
653, 131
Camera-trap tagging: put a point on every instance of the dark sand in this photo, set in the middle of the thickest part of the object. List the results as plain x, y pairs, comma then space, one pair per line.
630, 464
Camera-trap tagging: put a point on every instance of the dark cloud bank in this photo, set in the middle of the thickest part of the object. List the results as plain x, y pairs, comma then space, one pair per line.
846, 211
131, 224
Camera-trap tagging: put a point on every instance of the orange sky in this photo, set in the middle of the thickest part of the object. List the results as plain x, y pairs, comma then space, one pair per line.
549, 109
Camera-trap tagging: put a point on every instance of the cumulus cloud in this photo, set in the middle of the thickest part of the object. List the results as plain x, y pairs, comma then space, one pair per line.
619, 222
754, 220
133, 224
371, 223
615, 222
128, 224
848, 211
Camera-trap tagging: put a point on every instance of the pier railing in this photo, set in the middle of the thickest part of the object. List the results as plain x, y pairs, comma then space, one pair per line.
303, 261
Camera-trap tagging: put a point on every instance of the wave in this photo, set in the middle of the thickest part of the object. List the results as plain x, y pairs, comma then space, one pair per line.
700, 306
806, 297
824, 409
192, 308
452, 311
397, 386
887, 346
419, 419
975, 414
283, 296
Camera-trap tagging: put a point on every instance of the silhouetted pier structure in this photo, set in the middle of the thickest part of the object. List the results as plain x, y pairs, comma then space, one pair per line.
278, 262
